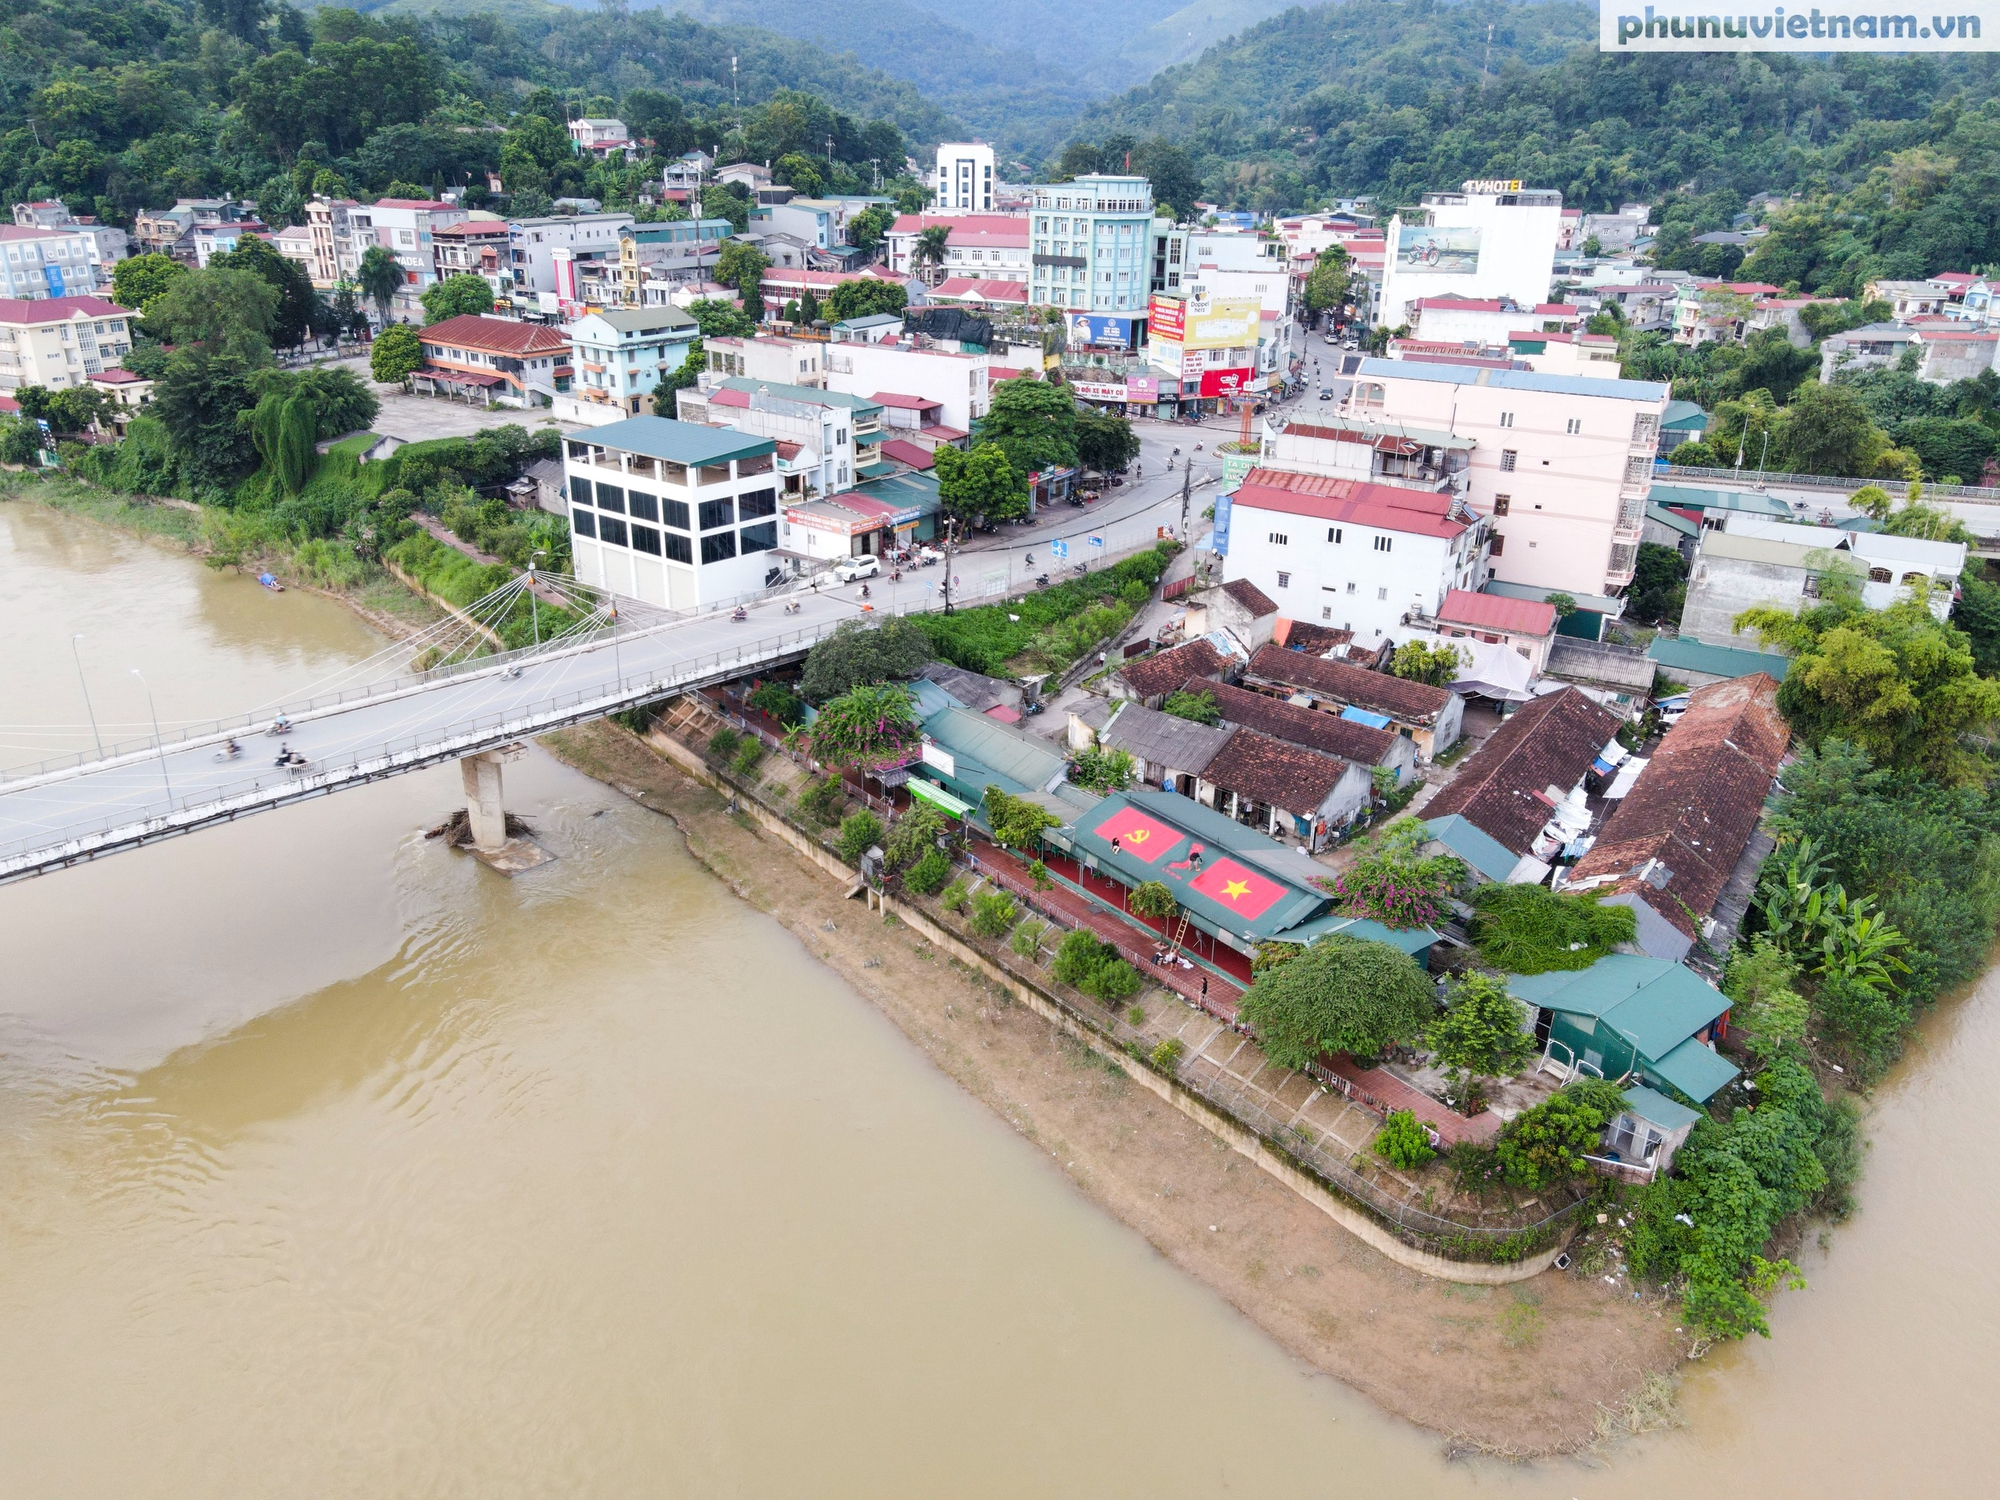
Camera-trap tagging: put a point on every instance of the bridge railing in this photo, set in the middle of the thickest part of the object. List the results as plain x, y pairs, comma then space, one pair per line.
167, 813
1770, 479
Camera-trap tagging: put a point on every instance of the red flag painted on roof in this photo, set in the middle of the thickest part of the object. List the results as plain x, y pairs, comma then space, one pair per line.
1138, 835
1244, 892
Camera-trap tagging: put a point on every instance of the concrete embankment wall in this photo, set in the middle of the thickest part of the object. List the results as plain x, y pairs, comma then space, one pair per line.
1232, 1132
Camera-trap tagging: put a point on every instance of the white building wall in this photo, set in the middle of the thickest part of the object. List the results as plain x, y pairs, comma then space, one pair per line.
958, 382
1517, 250
586, 236
964, 178
1365, 581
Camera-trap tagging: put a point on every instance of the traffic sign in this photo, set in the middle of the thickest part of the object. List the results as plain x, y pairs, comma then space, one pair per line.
1097, 541
1059, 548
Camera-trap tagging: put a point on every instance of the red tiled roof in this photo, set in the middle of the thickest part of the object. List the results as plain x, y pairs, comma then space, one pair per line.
966, 228
411, 203
9, 405
1252, 598
495, 335
1495, 612
1000, 372
972, 289
1414, 703
58, 309
116, 376
1547, 742
789, 451
1460, 304
727, 397
908, 453
1695, 806
1382, 442
1960, 278
902, 402
1385, 507
1275, 772
1156, 676
1327, 733
1314, 640
943, 434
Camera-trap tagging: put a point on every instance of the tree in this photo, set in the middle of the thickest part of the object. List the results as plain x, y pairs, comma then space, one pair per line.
1197, 708
1895, 682
869, 725
1105, 442
137, 281
1171, 170
979, 483
798, 171
221, 310
1530, 929
1546, 1144
1394, 882
397, 355
1033, 423
198, 401
1438, 665
867, 229
1659, 585
743, 266
864, 297
379, 278
298, 307
1016, 822
856, 654
718, 319
457, 296
928, 252
1342, 994
1826, 430
1329, 282
684, 376
1480, 1033
915, 834
1102, 770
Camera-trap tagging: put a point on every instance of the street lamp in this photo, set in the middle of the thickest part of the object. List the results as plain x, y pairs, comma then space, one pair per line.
78, 654
534, 614
158, 742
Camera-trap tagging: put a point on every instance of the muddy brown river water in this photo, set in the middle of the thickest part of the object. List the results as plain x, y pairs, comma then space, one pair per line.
332, 1164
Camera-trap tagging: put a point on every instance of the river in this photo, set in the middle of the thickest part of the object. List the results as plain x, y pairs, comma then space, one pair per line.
333, 1164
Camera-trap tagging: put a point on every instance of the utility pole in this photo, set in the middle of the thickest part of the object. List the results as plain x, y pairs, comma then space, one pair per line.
1187, 496
950, 532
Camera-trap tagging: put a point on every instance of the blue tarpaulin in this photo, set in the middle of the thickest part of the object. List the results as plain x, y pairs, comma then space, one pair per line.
1362, 716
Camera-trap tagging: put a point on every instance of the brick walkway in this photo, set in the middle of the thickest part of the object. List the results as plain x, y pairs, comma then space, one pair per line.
1383, 1092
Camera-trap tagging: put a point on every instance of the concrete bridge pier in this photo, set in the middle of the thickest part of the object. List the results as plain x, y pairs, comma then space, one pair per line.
485, 808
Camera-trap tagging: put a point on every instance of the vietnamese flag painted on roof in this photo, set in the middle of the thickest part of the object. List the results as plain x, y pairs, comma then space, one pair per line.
1137, 834
1243, 891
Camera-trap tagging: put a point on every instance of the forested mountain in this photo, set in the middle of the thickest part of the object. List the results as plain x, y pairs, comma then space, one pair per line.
1387, 96
115, 105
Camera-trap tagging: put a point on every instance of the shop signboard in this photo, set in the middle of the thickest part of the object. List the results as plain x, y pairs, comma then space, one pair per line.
1099, 391
1225, 382
1144, 389
1166, 318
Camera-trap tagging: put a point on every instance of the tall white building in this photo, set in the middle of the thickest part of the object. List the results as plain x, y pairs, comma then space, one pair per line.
964, 178
36, 263
1092, 253
1491, 239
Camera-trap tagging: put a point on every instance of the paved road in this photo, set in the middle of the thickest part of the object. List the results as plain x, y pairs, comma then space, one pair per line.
141, 792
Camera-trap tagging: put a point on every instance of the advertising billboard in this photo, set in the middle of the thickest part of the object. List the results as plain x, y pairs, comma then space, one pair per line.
1098, 331
1424, 249
1222, 325
1219, 543
1095, 391
1225, 382
1165, 318
1145, 388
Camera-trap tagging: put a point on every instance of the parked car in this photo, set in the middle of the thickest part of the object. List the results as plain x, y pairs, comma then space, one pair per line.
854, 569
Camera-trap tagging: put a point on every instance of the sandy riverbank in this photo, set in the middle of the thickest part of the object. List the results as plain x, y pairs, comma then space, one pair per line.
1539, 1368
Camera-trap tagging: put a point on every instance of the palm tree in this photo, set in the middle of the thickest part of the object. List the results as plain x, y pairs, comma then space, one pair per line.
929, 253
379, 278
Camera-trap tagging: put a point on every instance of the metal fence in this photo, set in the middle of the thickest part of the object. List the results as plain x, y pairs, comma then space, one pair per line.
1768, 479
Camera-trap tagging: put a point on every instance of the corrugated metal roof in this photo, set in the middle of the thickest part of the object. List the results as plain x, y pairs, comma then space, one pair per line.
1690, 655
1516, 380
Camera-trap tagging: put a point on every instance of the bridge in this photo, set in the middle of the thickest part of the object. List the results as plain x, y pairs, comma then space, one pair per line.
421, 702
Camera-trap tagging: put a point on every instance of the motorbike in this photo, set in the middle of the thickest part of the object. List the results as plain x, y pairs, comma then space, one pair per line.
230, 751
1041, 580
792, 608
896, 576
279, 725
1029, 710
739, 613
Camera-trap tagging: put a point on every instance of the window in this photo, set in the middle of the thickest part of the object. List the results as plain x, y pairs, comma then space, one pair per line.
1507, 457
1350, 590
644, 507
1326, 612
1384, 543
646, 539
582, 522
760, 538
679, 549
612, 531
716, 513
610, 497
1573, 426
718, 547
1381, 594
1284, 580
1279, 539
1333, 535
756, 504
676, 513
581, 489
1499, 544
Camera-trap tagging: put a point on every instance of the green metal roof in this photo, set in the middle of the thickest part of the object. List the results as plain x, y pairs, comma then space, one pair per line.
808, 395
676, 442
1672, 521
1655, 1005
1693, 655
1694, 1068
1683, 416
1189, 823
1410, 940
1474, 845
904, 488
1651, 1104
1015, 762
1690, 498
